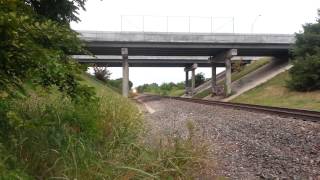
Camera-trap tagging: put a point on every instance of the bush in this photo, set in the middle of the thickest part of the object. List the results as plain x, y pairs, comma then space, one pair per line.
305, 74
37, 50
117, 84
164, 89
102, 73
171, 89
199, 79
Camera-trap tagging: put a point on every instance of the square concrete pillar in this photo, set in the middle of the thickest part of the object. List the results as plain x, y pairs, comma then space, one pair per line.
213, 79
125, 72
193, 80
228, 77
187, 82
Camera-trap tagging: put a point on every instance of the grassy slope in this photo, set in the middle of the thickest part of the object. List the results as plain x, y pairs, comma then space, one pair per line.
237, 75
177, 92
274, 93
99, 86
173, 92
168, 162
202, 94
250, 68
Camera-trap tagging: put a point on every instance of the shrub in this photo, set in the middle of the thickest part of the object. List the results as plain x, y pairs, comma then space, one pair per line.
305, 74
199, 79
102, 73
117, 84
36, 49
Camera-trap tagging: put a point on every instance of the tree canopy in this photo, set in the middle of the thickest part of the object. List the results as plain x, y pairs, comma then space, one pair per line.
305, 74
37, 47
63, 11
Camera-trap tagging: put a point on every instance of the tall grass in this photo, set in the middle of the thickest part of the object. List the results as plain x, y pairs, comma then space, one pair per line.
46, 135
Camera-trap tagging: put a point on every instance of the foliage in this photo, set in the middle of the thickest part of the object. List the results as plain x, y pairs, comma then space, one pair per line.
203, 94
236, 75
62, 11
237, 66
199, 79
52, 136
117, 84
307, 42
52, 125
50, 132
147, 87
249, 68
47, 135
37, 51
275, 93
170, 89
164, 89
305, 74
102, 73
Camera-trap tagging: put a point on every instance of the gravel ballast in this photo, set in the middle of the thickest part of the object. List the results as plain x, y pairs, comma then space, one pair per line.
242, 144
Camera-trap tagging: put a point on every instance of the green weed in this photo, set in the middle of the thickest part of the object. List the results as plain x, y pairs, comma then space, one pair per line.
46, 135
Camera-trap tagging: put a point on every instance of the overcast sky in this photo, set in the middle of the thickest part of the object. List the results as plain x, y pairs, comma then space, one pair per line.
240, 16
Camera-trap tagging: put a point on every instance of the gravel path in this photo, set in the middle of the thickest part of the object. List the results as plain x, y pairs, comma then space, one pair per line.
244, 145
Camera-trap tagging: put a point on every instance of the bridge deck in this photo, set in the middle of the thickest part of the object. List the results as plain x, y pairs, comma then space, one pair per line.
186, 44
183, 44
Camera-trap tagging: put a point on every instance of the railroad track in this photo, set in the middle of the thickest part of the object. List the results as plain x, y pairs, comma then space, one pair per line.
305, 115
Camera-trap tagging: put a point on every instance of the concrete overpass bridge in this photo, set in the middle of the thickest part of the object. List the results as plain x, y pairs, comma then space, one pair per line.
189, 50
156, 61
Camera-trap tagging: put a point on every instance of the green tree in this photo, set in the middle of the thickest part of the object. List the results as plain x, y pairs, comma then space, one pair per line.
305, 73
117, 83
37, 50
199, 79
62, 11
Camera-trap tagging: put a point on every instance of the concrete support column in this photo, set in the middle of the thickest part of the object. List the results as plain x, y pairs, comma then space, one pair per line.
190, 90
187, 82
193, 80
228, 76
213, 79
125, 72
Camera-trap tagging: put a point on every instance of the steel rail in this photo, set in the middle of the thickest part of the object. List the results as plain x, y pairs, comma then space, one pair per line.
305, 115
